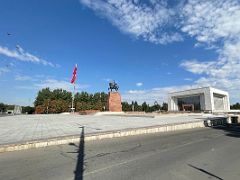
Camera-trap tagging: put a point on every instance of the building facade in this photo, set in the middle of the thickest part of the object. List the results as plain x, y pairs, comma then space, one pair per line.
199, 99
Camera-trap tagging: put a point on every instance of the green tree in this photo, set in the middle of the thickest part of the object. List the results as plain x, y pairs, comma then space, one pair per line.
104, 100
40, 109
145, 107
28, 110
137, 107
3, 107
235, 106
42, 96
164, 106
81, 106
58, 94
126, 106
58, 106
155, 107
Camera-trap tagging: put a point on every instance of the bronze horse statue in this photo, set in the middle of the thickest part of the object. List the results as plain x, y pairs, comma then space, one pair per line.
113, 85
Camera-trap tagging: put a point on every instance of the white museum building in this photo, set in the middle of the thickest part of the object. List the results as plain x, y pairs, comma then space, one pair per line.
199, 99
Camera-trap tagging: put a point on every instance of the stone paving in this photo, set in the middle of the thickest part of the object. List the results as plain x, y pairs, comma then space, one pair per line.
23, 128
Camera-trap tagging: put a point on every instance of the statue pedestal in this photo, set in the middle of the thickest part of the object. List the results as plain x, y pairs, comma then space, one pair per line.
114, 102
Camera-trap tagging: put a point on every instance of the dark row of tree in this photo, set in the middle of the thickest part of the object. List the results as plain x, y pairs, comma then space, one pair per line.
134, 106
59, 100
5, 107
235, 106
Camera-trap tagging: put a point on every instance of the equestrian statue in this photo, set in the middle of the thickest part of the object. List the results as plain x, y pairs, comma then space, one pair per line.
113, 85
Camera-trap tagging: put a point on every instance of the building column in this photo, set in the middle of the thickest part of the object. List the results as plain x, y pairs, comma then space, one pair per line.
226, 103
175, 104
202, 102
172, 104
212, 101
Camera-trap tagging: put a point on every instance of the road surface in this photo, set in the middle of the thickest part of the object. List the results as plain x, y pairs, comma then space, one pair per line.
193, 154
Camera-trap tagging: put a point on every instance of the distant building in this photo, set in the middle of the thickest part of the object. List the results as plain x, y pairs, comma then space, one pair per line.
199, 99
10, 112
17, 109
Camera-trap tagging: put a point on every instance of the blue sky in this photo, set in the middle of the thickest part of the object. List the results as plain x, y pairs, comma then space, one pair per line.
149, 47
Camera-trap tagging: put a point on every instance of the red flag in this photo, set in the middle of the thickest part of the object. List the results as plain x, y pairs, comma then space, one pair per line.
74, 74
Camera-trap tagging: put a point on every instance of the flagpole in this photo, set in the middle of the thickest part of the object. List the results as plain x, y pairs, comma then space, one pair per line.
73, 97
73, 93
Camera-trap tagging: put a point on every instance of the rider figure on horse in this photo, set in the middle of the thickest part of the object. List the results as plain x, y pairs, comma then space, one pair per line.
113, 85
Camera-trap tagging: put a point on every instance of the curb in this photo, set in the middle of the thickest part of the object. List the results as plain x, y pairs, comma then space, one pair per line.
99, 136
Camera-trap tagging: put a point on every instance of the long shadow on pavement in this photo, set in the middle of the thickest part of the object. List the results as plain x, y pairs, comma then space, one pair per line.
79, 170
231, 131
204, 171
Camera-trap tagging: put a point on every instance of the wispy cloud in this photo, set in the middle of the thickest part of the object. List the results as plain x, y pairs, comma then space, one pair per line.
22, 78
151, 95
188, 79
136, 91
52, 84
216, 24
22, 55
107, 79
139, 19
211, 21
4, 70
139, 84
197, 67
55, 84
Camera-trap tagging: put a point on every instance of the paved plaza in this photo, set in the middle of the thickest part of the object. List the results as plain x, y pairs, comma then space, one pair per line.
25, 128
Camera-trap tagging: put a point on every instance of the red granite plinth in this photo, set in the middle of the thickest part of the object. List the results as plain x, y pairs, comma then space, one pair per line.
114, 102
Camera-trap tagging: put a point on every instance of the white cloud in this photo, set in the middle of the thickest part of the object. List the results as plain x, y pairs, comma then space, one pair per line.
215, 23
161, 94
188, 79
53, 84
21, 55
147, 21
136, 91
210, 21
107, 79
139, 84
197, 67
151, 95
58, 84
3, 70
22, 78
27, 87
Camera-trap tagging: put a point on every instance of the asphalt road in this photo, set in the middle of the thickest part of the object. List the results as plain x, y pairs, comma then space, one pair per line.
193, 154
